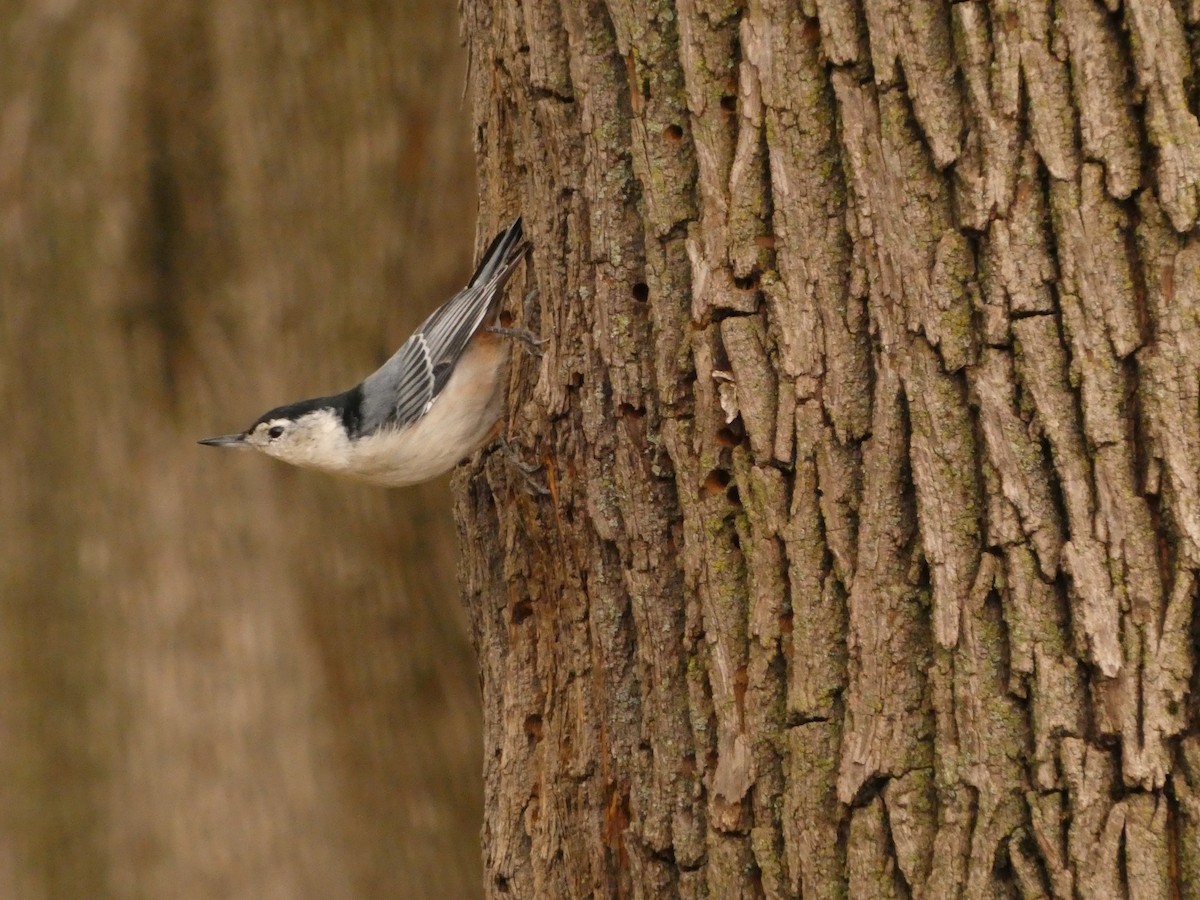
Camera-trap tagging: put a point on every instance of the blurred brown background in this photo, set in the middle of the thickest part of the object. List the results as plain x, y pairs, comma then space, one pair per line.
220, 677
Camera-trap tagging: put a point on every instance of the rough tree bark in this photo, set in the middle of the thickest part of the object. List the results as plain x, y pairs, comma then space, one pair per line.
870, 420
212, 668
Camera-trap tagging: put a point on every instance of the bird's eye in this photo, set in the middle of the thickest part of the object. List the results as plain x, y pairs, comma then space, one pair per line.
274, 431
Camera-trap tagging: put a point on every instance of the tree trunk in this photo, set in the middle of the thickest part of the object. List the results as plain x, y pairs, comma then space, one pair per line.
870, 424
220, 677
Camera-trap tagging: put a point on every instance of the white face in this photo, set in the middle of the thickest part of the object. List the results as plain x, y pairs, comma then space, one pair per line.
315, 440
272, 436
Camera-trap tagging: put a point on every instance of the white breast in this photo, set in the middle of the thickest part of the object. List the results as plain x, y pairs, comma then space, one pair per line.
459, 421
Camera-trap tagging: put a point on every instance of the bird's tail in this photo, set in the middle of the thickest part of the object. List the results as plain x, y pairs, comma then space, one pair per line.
501, 256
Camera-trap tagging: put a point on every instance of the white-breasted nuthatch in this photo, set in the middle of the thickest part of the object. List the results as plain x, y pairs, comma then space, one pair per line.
430, 406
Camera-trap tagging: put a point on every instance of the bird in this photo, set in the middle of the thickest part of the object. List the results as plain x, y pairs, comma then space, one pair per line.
434, 403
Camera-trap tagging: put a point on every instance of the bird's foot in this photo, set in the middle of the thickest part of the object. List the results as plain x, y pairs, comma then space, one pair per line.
532, 342
529, 471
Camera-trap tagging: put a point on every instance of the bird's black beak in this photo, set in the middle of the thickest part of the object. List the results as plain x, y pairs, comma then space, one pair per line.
226, 440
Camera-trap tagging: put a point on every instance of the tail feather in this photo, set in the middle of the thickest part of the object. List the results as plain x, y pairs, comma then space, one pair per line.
504, 247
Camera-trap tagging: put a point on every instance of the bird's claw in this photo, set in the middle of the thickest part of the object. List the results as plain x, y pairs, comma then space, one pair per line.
528, 470
532, 342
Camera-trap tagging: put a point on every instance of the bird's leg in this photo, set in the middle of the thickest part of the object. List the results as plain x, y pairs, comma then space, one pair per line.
527, 470
532, 342
514, 457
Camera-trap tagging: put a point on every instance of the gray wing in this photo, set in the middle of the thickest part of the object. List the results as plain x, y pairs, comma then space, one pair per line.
405, 386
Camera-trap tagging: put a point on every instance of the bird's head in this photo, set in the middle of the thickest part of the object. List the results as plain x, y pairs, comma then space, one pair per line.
310, 434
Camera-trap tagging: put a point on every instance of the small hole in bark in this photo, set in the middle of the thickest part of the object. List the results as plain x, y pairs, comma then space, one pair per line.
717, 481
577, 380
641, 292
734, 537
521, 611
748, 283
533, 727
729, 103
733, 496
505, 319
501, 884
628, 410
731, 435
673, 134
756, 880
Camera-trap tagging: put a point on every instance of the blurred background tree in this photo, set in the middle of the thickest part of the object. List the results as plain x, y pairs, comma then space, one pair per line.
220, 677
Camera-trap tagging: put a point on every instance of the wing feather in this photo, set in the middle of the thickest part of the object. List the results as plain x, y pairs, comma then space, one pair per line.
406, 386
414, 388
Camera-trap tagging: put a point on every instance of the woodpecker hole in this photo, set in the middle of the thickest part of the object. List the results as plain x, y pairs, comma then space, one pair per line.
641, 292
629, 411
729, 436
717, 481
533, 727
748, 283
729, 103
673, 134
521, 611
